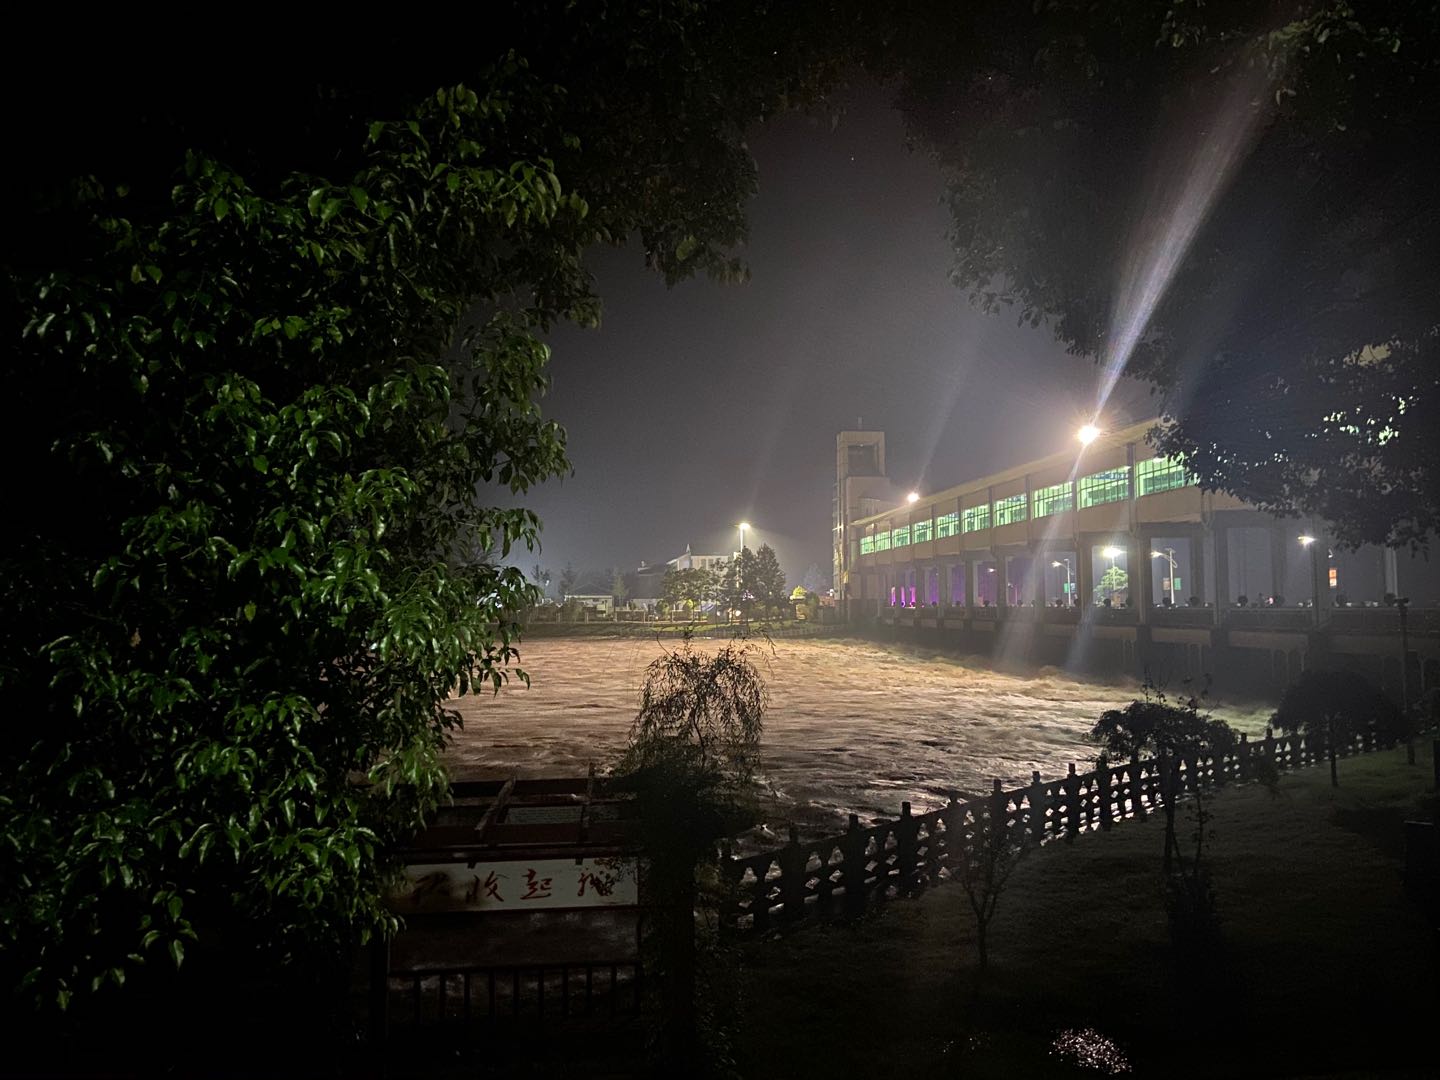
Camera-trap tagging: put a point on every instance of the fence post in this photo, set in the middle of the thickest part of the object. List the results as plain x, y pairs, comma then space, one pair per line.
1039, 803
1071, 783
1102, 784
792, 877
954, 816
1137, 786
852, 847
907, 830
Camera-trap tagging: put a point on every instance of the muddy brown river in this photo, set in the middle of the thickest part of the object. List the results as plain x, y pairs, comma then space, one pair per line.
853, 725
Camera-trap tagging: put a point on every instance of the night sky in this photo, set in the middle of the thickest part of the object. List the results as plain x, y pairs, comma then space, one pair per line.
694, 408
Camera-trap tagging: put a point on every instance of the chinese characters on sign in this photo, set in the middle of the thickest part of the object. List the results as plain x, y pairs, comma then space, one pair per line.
518, 885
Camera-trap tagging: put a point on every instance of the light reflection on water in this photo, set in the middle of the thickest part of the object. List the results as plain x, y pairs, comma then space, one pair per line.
853, 726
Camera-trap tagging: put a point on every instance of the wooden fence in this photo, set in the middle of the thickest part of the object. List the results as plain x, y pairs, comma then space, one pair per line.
842, 875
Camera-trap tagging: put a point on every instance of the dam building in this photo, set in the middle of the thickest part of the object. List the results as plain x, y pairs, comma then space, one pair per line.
1113, 559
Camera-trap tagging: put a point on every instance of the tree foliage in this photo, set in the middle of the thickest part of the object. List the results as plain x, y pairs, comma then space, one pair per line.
689, 588
1154, 725
1296, 348
271, 343
1333, 707
767, 582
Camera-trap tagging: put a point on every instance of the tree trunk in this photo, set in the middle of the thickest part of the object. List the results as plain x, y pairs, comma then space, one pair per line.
983, 944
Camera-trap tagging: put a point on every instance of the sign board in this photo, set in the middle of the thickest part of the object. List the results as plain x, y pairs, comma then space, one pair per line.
1069, 587
1165, 584
521, 885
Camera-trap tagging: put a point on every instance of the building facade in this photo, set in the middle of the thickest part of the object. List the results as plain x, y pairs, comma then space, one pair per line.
1118, 545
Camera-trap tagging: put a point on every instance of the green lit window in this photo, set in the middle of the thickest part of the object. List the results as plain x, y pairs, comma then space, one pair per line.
1055, 499
1010, 510
901, 536
1161, 474
977, 518
1112, 485
882, 541
867, 545
921, 531
947, 524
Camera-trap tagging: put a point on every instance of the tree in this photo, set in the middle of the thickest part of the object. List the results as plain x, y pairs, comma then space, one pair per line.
689, 588
618, 587
1179, 732
542, 577
1333, 707
736, 578
767, 579
280, 335
1113, 581
1226, 201
567, 580
815, 580
692, 756
984, 868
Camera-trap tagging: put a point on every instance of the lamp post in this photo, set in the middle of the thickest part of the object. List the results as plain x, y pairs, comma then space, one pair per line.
1069, 577
1169, 556
1308, 542
743, 526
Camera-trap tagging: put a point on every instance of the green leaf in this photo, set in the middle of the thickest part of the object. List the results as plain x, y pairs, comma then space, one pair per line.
177, 952
250, 611
221, 207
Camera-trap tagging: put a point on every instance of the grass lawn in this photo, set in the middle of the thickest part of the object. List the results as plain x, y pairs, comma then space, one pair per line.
1327, 968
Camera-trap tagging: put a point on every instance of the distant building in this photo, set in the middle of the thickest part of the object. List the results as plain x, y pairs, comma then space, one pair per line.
691, 561
600, 605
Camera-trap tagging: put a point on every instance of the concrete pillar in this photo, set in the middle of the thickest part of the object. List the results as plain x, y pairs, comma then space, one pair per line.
1220, 536
970, 584
1390, 571
1085, 571
1142, 574
1280, 562
1002, 581
1196, 585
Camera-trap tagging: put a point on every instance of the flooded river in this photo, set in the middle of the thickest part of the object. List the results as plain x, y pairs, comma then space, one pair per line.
853, 725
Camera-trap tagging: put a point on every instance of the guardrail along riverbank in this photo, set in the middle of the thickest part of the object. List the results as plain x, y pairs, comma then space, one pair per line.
843, 875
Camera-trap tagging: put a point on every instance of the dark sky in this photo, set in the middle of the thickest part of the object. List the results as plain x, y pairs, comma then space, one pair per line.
694, 408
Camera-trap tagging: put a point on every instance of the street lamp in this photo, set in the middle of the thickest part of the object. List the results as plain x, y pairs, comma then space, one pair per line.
1112, 553
1088, 434
913, 497
1069, 576
1308, 541
743, 526
1169, 556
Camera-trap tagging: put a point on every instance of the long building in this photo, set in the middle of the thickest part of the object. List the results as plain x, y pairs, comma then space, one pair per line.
1112, 557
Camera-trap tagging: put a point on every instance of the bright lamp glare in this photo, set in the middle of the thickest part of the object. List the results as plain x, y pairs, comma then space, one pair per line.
1111, 552
1088, 434
744, 525
1056, 563
913, 497
1307, 540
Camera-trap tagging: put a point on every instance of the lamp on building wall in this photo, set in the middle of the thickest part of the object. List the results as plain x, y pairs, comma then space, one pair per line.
913, 497
1088, 434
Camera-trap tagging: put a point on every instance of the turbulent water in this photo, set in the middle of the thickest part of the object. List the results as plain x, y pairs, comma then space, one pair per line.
852, 727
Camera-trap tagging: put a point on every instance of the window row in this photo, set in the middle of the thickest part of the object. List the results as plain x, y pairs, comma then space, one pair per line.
1107, 486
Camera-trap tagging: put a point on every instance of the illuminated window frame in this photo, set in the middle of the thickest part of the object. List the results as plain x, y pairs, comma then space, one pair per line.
1010, 510
1110, 485
976, 518
947, 524
1161, 474
921, 531
867, 544
882, 541
900, 536
1055, 499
